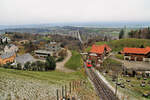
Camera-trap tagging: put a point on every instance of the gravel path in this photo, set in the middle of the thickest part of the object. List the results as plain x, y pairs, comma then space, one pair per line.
60, 65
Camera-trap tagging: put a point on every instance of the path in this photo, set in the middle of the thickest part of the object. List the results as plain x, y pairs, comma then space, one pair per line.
60, 65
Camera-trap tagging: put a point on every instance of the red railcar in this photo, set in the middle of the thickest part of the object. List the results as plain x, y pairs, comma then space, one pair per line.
88, 64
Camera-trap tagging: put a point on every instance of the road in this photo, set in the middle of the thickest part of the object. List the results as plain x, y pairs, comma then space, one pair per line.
60, 65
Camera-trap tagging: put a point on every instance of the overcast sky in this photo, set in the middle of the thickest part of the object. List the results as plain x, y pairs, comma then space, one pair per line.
52, 11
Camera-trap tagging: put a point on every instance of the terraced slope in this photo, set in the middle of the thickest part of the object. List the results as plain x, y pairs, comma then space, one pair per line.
29, 85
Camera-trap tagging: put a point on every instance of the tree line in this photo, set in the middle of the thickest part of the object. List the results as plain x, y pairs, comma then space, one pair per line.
140, 34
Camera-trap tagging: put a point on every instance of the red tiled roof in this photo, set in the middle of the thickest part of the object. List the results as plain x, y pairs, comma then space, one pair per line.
136, 50
99, 49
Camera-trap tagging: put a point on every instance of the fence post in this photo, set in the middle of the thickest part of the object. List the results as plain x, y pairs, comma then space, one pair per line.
70, 87
65, 91
62, 91
57, 94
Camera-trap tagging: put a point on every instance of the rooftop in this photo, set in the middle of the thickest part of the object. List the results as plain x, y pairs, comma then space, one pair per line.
136, 50
24, 58
100, 48
42, 51
7, 55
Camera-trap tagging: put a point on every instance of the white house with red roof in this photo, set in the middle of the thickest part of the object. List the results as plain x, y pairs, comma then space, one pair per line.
98, 52
136, 54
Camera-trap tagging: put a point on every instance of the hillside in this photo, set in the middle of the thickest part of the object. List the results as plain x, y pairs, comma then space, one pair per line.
25, 85
118, 45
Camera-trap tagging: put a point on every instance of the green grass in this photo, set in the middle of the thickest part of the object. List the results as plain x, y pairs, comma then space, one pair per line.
75, 61
118, 45
119, 56
111, 62
51, 77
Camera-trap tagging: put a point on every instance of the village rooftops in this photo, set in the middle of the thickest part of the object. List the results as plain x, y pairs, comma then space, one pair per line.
24, 58
136, 50
99, 49
6, 55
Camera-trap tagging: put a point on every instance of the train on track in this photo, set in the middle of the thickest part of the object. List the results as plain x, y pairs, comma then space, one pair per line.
88, 64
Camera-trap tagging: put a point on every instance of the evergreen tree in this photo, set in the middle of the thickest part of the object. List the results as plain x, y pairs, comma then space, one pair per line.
142, 46
121, 34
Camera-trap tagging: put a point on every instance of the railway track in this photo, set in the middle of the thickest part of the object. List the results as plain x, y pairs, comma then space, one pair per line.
103, 91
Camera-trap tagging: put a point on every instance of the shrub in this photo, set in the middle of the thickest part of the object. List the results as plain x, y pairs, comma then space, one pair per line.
50, 63
60, 59
19, 67
27, 65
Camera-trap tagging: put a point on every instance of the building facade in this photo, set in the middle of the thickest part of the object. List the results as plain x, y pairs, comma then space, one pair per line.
42, 54
136, 54
98, 52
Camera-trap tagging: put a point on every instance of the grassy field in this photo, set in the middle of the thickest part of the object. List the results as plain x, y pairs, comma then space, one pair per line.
51, 77
118, 45
75, 61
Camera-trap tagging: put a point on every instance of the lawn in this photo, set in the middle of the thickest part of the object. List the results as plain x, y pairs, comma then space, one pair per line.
75, 61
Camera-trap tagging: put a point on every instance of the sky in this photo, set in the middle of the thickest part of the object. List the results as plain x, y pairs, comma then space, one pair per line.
14, 12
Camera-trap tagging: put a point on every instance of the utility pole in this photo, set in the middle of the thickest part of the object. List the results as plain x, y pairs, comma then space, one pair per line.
116, 85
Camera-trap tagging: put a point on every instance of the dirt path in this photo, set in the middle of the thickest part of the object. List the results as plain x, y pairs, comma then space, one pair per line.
60, 65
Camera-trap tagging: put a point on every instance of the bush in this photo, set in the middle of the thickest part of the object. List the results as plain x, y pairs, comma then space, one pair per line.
27, 65
60, 59
19, 67
50, 63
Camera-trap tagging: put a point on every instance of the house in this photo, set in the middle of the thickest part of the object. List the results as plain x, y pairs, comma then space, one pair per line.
4, 39
53, 46
24, 59
10, 48
42, 53
136, 54
7, 57
98, 52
